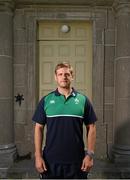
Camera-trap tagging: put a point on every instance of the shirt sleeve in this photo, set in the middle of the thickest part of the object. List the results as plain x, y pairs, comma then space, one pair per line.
40, 115
89, 114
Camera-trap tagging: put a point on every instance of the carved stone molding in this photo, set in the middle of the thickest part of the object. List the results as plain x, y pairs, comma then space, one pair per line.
7, 5
67, 2
121, 6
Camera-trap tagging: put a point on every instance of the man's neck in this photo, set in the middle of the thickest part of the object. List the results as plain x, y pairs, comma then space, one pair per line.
65, 91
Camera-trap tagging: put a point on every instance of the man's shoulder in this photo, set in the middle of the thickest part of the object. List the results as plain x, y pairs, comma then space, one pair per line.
81, 94
84, 97
49, 95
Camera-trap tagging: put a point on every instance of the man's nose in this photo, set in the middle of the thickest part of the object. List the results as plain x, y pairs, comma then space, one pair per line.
64, 76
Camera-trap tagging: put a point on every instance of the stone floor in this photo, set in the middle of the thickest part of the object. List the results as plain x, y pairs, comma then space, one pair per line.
103, 169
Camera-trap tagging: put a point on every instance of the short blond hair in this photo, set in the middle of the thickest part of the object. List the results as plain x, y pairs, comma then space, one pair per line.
64, 65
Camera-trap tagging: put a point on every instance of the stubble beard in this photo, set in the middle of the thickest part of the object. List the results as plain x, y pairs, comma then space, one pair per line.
66, 86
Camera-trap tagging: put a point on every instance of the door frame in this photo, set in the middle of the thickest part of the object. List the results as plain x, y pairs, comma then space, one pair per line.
64, 13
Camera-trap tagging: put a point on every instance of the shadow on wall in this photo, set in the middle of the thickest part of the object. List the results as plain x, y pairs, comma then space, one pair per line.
120, 153
26, 156
122, 135
117, 166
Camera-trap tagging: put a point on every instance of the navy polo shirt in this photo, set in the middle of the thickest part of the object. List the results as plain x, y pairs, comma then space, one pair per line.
64, 119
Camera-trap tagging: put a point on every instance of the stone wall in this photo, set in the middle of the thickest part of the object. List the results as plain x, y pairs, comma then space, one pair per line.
26, 73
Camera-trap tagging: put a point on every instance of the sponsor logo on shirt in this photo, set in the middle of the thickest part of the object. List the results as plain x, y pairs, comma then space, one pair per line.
52, 101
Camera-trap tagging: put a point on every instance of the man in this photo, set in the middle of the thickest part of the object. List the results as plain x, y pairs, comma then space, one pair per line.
64, 111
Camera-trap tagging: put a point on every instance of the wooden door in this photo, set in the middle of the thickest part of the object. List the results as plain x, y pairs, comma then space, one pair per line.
74, 46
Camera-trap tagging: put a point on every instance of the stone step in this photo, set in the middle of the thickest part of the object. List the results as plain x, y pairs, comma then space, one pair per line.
23, 169
103, 169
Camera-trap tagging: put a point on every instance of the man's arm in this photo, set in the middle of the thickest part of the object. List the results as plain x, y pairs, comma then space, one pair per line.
38, 139
91, 139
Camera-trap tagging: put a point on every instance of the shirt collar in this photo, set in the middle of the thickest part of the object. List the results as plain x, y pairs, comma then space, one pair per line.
73, 93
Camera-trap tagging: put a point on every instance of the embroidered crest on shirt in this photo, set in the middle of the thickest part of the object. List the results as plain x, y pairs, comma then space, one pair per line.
76, 101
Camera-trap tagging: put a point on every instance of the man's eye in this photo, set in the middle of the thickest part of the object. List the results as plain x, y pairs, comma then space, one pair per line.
67, 74
59, 74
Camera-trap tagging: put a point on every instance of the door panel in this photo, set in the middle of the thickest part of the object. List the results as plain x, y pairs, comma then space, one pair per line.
52, 31
74, 47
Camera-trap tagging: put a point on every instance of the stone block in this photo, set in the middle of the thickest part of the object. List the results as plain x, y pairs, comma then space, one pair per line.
19, 132
6, 48
19, 12
99, 36
108, 118
101, 23
99, 12
99, 114
20, 53
31, 35
123, 117
6, 31
7, 156
6, 121
110, 37
30, 12
111, 19
101, 141
31, 55
109, 95
109, 65
108, 113
100, 17
5, 77
20, 148
123, 78
31, 77
29, 131
24, 168
123, 48
123, 37
19, 75
109, 53
19, 36
122, 126
109, 74
19, 21
20, 116
98, 70
121, 155
31, 28
29, 118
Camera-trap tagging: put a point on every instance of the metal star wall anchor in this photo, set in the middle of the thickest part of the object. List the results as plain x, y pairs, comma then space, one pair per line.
19, 98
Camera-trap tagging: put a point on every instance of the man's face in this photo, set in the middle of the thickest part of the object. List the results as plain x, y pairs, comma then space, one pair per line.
63, 77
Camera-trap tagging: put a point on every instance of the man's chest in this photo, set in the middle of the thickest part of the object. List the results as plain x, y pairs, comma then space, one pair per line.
61, 106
